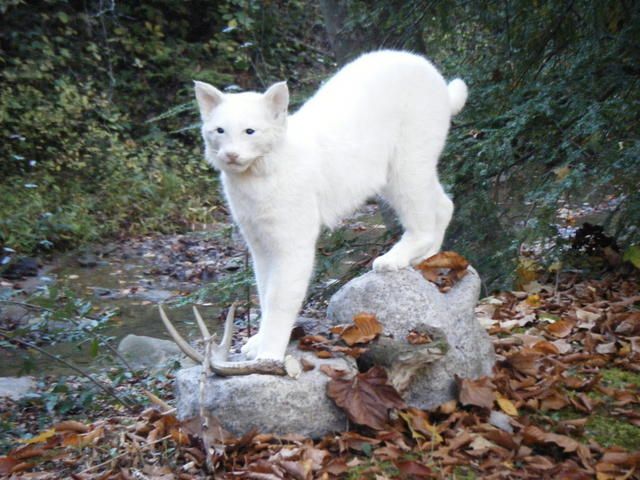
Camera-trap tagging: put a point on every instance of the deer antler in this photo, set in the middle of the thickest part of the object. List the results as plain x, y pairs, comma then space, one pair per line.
220, 352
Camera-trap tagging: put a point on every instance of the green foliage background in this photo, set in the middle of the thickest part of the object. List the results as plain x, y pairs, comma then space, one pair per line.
551, 121
99, 131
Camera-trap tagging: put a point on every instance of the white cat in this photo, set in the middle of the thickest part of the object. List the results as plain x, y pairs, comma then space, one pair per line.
377, 127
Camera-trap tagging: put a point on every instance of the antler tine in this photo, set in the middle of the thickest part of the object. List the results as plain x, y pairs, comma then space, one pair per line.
227, 337
218, 353
221, 366
181, 342
201, 325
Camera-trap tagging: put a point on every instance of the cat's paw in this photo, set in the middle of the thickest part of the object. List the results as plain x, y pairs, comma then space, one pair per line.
252, 347
389, 263
270, 354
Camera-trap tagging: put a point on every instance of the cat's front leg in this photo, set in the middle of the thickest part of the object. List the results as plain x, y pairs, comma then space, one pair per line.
286, 285
261, 260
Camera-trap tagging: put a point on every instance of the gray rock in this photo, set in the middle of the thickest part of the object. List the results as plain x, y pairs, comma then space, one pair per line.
269, 403
13, 313
404, 301
150, 352
20, 268
87, 260
233, 264
16, 387
154, 295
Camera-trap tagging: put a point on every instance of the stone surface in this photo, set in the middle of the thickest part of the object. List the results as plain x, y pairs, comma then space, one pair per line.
272, 404
87, 260
149, 352
20, 268
16, 387
404, 301
13, 313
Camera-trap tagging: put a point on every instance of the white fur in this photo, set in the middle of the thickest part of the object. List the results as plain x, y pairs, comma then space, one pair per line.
377, 127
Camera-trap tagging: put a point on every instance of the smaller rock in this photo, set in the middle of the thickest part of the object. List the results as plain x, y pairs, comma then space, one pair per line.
501, 421
154, 295
269, 403
20, 268
149, 352
310, 325
16, 387
87, 260
13, 314
104, 292
233, 264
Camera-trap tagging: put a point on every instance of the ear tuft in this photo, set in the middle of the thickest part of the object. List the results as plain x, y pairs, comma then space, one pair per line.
208, 97
277, 97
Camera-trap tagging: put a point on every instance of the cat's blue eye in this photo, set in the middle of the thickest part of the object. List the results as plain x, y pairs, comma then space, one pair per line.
220, 130
249, 131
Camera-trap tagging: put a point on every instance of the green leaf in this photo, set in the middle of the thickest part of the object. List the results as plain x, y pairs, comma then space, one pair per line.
94, 348
632, 255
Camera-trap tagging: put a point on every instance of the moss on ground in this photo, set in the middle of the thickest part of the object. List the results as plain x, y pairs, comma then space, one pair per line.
618, 378
609, 431
366, 470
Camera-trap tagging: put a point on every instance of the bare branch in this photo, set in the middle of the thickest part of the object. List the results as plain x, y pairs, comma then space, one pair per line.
105, 388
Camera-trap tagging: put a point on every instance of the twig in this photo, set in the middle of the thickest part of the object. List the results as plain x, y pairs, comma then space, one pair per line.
549, 37
97, 336
204, 418
556, 296
108, 390
143, 447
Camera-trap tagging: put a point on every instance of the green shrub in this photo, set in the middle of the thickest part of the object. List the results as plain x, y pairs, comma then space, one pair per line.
97, 124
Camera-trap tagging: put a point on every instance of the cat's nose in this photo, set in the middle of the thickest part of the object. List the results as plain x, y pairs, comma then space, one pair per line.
232, 157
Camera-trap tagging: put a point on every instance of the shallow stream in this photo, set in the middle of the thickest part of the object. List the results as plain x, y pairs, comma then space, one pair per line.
128, 282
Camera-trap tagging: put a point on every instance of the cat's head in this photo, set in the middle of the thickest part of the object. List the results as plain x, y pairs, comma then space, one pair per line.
241, 128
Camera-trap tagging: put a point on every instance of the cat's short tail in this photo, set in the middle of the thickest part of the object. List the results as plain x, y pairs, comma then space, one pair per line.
457, 95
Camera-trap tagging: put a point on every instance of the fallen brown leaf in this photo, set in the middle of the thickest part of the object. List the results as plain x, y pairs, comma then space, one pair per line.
364, 329
418, 338
366, 398
479, 393
444, 269
560, 329
414, 469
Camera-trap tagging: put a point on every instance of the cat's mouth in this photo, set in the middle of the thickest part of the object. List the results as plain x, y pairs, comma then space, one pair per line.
236, 165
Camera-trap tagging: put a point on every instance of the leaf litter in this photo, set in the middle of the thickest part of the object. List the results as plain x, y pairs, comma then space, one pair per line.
532, 419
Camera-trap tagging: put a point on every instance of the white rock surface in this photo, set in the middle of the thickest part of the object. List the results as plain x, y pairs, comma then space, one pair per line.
272, 404
16, 387
403, 301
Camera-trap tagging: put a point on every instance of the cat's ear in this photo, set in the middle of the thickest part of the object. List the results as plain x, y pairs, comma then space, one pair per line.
277, 97
208, 97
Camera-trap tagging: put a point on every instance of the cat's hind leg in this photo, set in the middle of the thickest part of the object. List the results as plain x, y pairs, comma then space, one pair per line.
424, 210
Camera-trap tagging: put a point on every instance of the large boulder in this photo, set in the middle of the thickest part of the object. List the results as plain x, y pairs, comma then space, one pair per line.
272, 404
404, 301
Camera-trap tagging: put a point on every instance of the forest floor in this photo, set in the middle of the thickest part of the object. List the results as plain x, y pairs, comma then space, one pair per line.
563, 401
